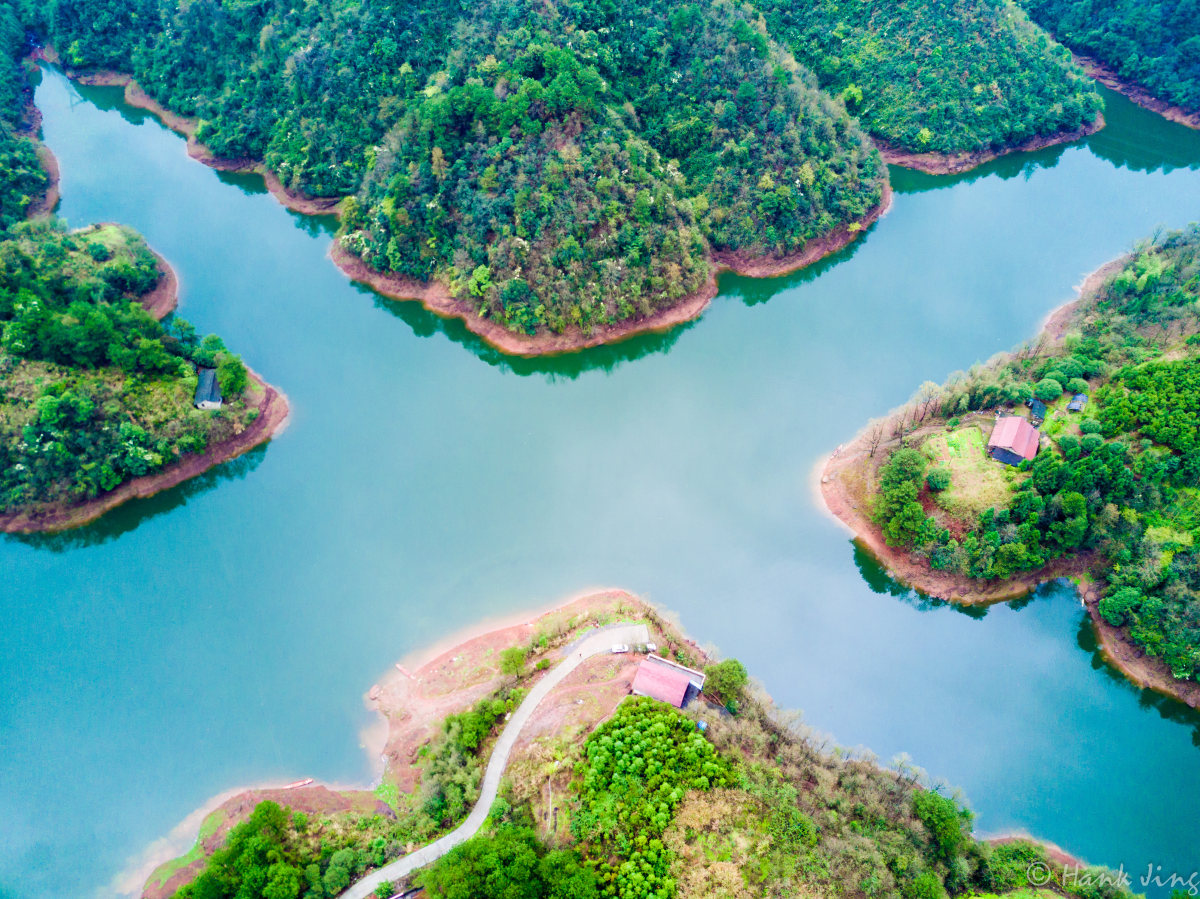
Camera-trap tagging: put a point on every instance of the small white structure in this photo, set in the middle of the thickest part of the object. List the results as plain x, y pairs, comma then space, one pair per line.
208, 391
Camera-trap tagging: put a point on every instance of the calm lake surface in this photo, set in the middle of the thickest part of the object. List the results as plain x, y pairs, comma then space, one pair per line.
223, 633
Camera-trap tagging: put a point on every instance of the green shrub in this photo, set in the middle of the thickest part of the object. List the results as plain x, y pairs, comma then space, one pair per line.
512, 661
1048, 389
938, 479
726, 680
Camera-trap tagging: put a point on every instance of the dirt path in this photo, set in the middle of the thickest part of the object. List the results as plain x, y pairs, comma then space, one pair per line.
955, 163
594, 644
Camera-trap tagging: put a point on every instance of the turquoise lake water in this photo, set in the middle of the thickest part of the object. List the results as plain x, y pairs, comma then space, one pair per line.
223, 633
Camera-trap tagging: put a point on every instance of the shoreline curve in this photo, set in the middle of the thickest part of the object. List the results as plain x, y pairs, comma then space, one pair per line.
1135, 92
434, 295
957, 163
272, 419
839, 501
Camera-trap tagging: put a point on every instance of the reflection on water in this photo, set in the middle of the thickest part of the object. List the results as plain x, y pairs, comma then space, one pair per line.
1143, 141
129, 515
880, 580
1168, 709
226, 636
567, 366
1133, 138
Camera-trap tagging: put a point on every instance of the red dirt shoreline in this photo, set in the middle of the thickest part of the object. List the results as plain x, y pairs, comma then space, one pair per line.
434, 295
272, 418
137, 97
956, 163
412, 701
437, 299
164, 298
847, 502
1135, 92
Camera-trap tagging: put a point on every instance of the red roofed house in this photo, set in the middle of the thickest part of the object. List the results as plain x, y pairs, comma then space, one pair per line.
1013, 440
667, 681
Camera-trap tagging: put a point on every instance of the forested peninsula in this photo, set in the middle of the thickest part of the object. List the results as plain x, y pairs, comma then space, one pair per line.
942, 85
1149, 50
1105, 404
610, 795
563, 174
96, 393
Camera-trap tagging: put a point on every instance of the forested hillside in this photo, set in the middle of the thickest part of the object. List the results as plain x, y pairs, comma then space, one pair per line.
948, 76
22, 180
93, 391
581, 169
557, 165
1119, 481
1152, 43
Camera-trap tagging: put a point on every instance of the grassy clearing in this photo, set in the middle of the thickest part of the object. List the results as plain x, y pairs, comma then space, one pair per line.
977, 482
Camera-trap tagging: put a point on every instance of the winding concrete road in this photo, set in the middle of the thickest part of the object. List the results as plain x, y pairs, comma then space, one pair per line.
595, 643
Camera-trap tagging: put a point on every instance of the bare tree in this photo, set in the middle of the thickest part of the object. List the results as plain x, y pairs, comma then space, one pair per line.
874, 437
925, 399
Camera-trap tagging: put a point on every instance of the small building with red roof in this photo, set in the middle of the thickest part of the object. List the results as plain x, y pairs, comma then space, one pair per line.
667, 681
1013, 440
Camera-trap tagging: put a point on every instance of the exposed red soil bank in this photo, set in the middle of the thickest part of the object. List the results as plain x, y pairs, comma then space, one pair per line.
1122, 653
953, 164
137, 97
415, 698
164, 298
846, 492
436, 298
1136, 92
272, 415
49, 200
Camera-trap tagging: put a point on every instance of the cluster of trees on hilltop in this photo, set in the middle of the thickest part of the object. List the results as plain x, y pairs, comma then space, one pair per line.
1153, 43
578, 169
1124, 483
93, 390
948, 76
655, 801
559, 165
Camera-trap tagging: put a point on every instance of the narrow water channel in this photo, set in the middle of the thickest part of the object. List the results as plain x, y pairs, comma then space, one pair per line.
224, 632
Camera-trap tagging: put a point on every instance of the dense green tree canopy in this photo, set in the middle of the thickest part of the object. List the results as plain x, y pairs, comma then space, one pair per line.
949, 76
93, 391
558, 165
1153, 43
22, 180
1124, 482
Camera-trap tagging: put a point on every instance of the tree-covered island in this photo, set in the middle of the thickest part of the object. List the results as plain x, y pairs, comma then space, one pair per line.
1110, 488
562, 174
97, 394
